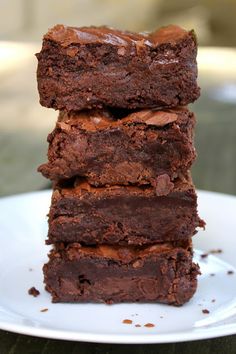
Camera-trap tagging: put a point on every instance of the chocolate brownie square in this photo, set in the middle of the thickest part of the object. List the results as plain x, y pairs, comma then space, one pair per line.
160, 273
94, 67
134, 149
123, 214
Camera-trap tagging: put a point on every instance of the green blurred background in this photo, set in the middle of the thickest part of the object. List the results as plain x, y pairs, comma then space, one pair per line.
214, 21
24, 125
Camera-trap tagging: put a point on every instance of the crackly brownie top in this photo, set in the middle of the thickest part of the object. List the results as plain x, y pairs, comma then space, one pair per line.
65, 36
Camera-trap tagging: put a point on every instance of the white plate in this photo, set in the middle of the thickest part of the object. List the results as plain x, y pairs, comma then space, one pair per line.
23, 229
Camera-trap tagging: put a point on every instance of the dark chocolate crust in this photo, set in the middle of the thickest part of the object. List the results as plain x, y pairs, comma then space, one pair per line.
133, 150
160, 273
123, 215
94, 67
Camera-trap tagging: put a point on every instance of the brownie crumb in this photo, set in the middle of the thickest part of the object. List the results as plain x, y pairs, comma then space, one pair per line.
205, 311
126, 321
44, 310
33, 291
213, 300
212, 274
161, 317
149, 325
230, 272
216, 251
30, 269
137, 325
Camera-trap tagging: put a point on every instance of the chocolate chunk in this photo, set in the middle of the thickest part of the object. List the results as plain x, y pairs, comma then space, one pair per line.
163, 185
161, 119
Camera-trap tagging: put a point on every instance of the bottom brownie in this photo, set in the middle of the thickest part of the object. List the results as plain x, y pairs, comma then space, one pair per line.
159, 273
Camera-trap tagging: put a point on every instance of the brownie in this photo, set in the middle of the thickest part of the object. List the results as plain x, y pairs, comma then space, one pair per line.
137, 148
93, 67
123, 214
159, 273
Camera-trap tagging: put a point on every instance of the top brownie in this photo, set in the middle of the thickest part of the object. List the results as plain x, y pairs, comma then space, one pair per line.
93, 67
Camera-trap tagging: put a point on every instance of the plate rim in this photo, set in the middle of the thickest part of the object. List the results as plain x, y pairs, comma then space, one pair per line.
177, 337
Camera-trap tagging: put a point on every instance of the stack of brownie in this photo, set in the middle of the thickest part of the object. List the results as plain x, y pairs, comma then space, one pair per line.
124, 208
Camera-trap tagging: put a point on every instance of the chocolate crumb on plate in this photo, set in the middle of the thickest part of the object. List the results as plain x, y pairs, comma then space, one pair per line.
44, 310
216, 251
212, 274
127, 321
33, 291
230, 272
149, 325
205, 311
213, 300
137, 325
